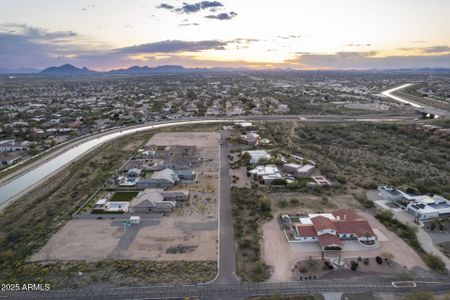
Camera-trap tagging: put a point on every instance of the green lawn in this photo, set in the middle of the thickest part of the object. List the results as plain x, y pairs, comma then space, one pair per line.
123, 196
148, 174
295, 219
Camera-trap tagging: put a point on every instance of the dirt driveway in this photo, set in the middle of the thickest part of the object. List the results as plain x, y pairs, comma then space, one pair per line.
281, 255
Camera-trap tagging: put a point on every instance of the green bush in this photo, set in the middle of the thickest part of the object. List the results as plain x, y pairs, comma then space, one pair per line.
435, 263
282, 204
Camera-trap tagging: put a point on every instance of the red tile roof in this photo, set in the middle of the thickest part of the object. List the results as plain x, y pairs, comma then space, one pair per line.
358, 228
306, 231
345, 214
322, 223
327, 239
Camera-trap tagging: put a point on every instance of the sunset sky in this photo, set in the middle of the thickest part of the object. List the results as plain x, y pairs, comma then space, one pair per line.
300, 34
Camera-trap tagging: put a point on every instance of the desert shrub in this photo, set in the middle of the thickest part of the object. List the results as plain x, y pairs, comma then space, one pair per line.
294, 202
282, 203
435, 263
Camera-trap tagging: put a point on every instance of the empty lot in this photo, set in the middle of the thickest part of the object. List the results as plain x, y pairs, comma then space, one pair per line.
93, 240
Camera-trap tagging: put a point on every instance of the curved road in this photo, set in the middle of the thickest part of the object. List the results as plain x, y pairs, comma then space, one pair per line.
226, 285
18, 185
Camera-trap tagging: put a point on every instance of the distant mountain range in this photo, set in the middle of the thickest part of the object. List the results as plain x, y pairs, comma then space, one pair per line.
148, 70
166, 69
69, 69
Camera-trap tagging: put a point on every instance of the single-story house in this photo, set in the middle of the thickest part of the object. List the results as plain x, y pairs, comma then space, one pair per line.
134, 173
298, 170
107, 206
330, 230
266, 174
425, 207
160, 179
251, 138
151, 201
390, 193
10, 159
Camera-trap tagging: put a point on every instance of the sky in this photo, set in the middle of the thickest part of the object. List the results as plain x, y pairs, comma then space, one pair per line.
297, 34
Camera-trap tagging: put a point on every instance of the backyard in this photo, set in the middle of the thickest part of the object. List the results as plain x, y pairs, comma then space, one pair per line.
123, 196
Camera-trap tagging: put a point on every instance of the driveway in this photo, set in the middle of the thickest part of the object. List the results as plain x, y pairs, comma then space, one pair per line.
423, 237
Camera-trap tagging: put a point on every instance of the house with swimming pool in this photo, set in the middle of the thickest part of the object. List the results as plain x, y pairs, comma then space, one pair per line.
329, 229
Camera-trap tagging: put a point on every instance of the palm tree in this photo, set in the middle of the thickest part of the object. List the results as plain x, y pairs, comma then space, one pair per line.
367, 235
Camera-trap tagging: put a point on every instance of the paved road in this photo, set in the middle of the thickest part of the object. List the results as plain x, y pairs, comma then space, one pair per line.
243, 290
24, 179
227, 261
226, 285
419, 103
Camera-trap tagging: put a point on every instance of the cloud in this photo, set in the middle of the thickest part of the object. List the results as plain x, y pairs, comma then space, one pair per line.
429, 50
165, 6
222, 16
188, 8
245, 40
173, 46
291, 36
357, 45
437, 49
23, 45
188, 24
368, 60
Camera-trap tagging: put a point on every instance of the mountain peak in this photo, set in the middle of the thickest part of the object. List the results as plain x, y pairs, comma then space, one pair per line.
66, 69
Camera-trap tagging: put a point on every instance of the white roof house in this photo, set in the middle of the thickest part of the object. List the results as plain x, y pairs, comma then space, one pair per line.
256, 155
426, 207
101, 202
250, 137
299, 170
267, 174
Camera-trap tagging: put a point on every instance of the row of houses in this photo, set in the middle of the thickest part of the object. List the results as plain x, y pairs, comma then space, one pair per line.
146, 201
13, 146
159, 179
423, 207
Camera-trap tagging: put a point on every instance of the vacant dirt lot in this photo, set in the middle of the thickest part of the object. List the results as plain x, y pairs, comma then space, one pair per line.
281, 255
151, 240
